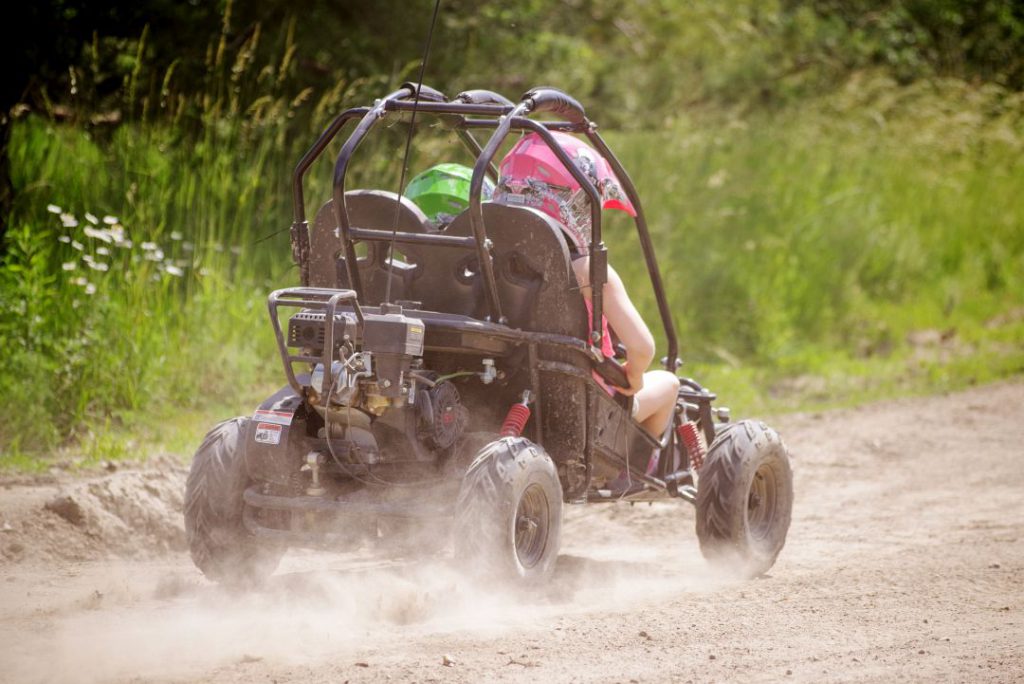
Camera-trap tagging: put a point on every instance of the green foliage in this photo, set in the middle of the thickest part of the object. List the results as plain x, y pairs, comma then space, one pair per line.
792, 244
836, 210
780, 232
153, 308
965, 39
635, 64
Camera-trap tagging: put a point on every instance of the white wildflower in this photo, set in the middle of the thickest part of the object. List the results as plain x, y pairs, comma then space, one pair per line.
87, 258
148, 246
110, 220
173, 270
156, 255
187, 246
176, 235
125, 244
90, 289
77, 245
54, 209
69, 266
103, 251
98, 266
91, 218
80, 281
68, 220
718, 178
204, 271
98, 234
65, 239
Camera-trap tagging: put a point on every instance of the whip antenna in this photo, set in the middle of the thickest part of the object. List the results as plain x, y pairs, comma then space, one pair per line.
405, 157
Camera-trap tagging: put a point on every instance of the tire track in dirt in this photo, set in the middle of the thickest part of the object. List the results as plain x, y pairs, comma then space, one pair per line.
905, 561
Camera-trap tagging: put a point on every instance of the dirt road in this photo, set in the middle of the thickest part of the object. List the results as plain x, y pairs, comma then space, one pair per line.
905, 561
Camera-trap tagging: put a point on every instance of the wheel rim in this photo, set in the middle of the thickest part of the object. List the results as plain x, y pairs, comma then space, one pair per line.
531, 526
762, 502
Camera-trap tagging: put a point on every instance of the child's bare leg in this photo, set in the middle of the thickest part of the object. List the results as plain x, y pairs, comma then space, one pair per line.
657, 400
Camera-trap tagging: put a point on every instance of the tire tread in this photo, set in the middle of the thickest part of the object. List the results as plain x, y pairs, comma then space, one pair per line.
723, 490
218, 542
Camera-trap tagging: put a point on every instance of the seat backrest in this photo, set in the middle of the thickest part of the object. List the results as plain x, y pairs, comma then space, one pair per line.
373, 209
539, 292
535, 280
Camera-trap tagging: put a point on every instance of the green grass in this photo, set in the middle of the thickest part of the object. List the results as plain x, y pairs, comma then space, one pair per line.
823, 242
867, 244
150, 313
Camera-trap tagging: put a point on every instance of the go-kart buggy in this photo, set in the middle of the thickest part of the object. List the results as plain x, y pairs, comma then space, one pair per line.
441, 383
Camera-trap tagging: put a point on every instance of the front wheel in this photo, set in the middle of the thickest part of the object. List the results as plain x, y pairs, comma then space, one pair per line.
508, 519
745, 498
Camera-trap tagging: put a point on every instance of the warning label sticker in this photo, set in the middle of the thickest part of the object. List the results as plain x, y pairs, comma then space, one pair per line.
276, 417
268, 433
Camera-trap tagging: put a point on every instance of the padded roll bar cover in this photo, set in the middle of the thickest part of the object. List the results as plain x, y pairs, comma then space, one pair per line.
483, 97
427, 93
547, 99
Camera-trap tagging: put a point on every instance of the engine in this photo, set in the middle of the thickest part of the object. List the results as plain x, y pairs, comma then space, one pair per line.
377, 398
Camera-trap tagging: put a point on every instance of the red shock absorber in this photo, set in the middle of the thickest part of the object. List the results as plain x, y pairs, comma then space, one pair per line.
693, 439
515, 419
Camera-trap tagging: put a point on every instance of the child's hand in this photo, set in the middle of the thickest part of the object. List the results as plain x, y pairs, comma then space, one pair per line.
636, 381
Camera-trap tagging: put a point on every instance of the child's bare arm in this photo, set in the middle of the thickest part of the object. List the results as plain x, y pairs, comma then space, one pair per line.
625, 320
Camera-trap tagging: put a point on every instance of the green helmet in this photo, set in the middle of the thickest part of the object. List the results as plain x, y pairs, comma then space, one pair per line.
442, 191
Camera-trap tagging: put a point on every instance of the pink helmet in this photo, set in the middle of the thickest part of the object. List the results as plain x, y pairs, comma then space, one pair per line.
532, 176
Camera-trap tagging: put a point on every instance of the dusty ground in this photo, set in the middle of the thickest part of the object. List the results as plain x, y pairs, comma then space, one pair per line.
905, 561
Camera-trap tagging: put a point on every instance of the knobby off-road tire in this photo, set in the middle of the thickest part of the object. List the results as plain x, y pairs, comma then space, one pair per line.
745, 498
217, 539
508, 520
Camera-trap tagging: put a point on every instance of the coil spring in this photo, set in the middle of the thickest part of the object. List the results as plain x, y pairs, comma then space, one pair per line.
515, 420
693, 439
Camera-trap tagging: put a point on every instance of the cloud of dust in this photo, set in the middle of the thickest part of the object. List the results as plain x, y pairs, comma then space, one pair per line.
317, 606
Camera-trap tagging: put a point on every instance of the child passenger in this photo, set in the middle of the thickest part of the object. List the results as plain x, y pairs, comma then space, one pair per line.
532, 176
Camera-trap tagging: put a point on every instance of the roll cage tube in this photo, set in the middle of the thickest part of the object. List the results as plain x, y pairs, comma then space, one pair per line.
340, 169
428, 96
546, 99
476, 211
598, 251
300, 228
552, 100
506, 117
672, 356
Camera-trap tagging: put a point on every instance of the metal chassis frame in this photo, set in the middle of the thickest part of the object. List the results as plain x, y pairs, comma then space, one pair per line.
332, 302
456, 114
462, 116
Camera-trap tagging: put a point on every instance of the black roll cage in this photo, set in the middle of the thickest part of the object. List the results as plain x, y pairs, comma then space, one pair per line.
462, 114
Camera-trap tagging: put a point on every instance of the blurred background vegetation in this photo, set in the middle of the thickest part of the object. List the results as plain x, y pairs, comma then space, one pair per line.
835, 188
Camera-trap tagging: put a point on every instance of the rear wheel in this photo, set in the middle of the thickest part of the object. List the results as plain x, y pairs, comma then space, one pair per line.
745, 498
217, 539
508, 519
